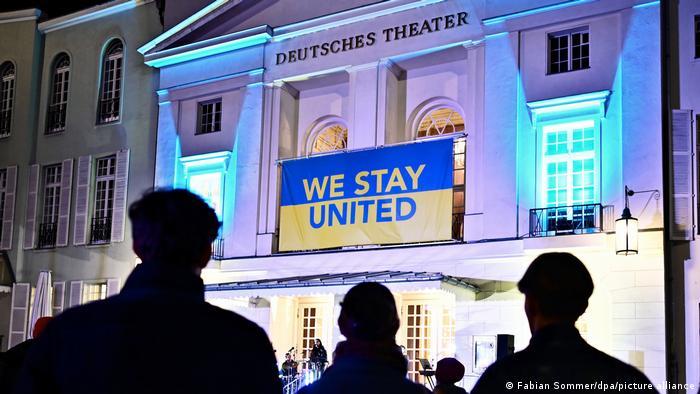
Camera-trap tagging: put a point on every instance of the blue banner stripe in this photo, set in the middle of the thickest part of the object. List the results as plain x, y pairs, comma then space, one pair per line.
410, 168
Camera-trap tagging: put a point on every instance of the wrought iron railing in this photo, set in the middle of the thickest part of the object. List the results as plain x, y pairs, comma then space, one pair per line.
101, 230
5, 122
56, 120
570, 219
109, 110
47, 235
217, 249
458, 226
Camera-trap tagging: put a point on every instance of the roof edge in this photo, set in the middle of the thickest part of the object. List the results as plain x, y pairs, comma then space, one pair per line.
89, 14
20, 15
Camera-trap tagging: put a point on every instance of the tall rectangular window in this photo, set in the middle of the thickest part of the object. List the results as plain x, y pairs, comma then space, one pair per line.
3, 190
7, 95
56, 121
569, 50
569, 164
50, 206
697, 36
105, 171
110, 90
458, 175
209, 117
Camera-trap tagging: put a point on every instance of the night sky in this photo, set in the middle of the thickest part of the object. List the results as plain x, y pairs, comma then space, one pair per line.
49, 8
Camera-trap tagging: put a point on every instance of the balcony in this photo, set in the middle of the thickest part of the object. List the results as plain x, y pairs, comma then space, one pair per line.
56, 120
47, 235
101, 230
109, 110
217, 249
571, 219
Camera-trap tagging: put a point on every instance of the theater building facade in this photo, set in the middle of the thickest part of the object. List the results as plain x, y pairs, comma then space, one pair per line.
435, 146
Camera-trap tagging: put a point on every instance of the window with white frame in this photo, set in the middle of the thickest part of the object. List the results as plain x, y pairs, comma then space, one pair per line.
569, 175
442, 120
94, 291
3, 191
697, 36
110, 87
58, 98
208, 185
50, 206
105, 178
209, 116
569, 50
419, 338
7, 96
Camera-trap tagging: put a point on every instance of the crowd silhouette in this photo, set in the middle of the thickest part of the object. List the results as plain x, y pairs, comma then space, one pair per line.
160, 336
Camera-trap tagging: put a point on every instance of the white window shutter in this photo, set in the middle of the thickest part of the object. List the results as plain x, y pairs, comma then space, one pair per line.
59, 296
64, 202
32, 197
121, 183
8, 218
75, 296
82, 197
19, 314
681, 179
112, 287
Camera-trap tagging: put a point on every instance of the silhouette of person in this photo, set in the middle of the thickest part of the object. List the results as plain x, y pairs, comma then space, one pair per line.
158, 335
369, 361
557, 287
14, 358
448, 372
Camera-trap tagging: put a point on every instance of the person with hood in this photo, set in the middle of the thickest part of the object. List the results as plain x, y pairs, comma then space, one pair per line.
369, 361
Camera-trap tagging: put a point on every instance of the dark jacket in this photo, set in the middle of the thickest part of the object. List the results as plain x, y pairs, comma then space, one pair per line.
11, 365
558, 355
365, 369
157, 336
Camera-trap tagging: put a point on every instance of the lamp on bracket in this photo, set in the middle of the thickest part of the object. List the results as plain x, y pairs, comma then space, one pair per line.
627, 226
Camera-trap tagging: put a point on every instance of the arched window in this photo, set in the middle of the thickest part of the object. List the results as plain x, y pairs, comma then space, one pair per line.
7, 96
58, 99
439, 117
439, 121
110, 87
328, 134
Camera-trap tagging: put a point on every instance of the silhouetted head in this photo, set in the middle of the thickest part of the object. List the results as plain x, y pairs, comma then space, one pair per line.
40, 325
449, 370
173, 228
369, 313
556, 287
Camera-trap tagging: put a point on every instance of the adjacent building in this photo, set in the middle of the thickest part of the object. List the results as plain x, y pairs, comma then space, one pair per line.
78, 123
552, 109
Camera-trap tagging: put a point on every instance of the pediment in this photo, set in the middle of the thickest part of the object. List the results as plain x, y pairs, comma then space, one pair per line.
224, 17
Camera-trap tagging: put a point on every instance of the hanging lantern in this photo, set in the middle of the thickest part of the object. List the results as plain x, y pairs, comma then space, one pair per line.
626, 233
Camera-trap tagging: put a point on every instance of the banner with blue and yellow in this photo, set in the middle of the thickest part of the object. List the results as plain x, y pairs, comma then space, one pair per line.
391, 195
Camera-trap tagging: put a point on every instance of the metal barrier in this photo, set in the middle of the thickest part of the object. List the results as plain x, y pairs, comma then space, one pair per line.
570, 219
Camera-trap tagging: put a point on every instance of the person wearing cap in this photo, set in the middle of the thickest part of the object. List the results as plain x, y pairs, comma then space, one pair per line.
557, 287
158, 335
369, 361
448, 372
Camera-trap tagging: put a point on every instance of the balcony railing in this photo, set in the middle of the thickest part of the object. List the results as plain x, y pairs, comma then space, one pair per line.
101, 230
109, 110
47, 235
56, 121
217, 249
5, 122
571, 219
